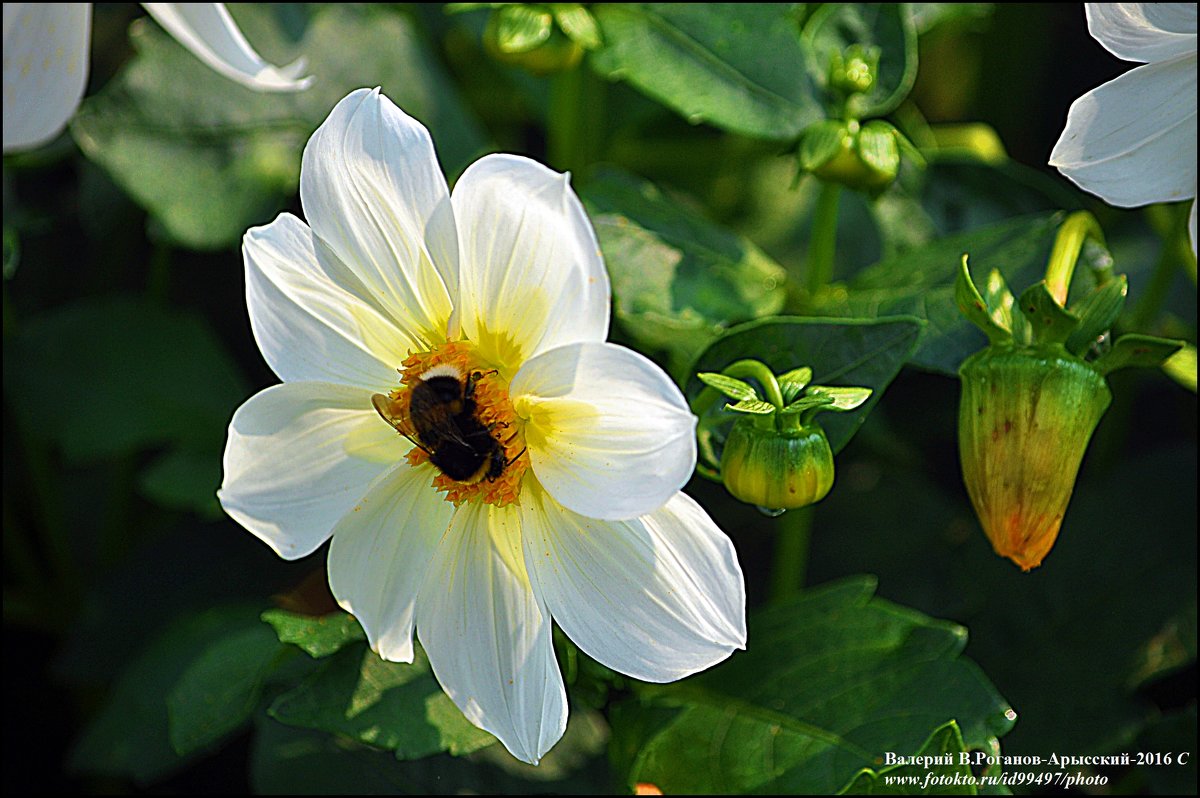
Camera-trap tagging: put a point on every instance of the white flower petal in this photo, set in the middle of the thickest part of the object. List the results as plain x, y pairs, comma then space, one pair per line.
488, 637
46, 48
1144, 32
308, 327
657, 597
1192, 226
380, 552
211, 34
1132, 141
532, 274
373, 191
609, 434
298, 457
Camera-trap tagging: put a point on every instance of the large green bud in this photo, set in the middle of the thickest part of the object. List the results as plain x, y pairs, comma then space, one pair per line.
1024, 422
776, 456
1032, 399
775, 469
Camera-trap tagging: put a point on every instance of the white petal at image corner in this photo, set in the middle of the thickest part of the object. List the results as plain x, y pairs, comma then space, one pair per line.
390, 266
1132, 141
47, 54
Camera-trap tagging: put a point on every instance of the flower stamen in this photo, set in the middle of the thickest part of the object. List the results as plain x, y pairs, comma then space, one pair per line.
462, 422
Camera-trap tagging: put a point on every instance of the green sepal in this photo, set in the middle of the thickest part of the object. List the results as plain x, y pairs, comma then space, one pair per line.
1137, 350
1181, 367
844, 399
1097, 312
976, 311
520, 28
812, 401
1051, 322
578, 23
822, 142
1000, 301
755, 406
793, 382
879, 149
730, 386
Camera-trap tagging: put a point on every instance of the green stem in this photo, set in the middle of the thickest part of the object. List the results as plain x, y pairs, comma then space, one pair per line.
1068, 243
158, 282
791, 553
759, 371
576, 118
823, 243
1175, 252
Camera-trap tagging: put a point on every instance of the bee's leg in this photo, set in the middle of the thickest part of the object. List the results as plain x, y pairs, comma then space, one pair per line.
473, 378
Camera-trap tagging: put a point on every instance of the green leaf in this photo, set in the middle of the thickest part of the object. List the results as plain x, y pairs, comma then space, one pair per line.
104, 377
730, 386
841, 399
1137, 350
921, 282
219, 690
835, 678
1097, 312
753, 406
738, 66
976, 309
209, 158
1105, 594
677, 278
1051, 322
578, 23
286, 760
1181, 367
944, 746
130, 735
184, 480
888, 26
385, 704
793, 382
520, 28
861, 352
316, 636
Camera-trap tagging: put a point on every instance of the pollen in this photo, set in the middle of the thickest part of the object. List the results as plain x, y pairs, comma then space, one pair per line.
492, 409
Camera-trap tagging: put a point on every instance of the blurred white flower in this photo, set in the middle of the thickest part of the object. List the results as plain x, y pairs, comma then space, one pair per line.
46, 60
546, 483
1132, 141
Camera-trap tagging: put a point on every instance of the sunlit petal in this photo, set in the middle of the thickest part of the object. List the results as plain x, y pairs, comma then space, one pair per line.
373, 191
298, 457
488, 636
381, 551
532, 274
657, 597
307, 326
609, 434
46, 49
1144, 32
1132, 141
211, 34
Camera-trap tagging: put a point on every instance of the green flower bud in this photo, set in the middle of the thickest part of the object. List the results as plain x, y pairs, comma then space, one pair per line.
861, 157
526, 36
776, 456
1024, 422
853, 72
1030, 400
774, 469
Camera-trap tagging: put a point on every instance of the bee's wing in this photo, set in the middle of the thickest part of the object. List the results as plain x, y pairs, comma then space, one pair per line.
390, 412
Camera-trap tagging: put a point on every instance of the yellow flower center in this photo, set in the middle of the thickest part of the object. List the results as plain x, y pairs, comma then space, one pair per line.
455, 407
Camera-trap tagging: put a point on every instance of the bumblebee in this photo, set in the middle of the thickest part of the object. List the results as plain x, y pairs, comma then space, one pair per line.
444, 425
